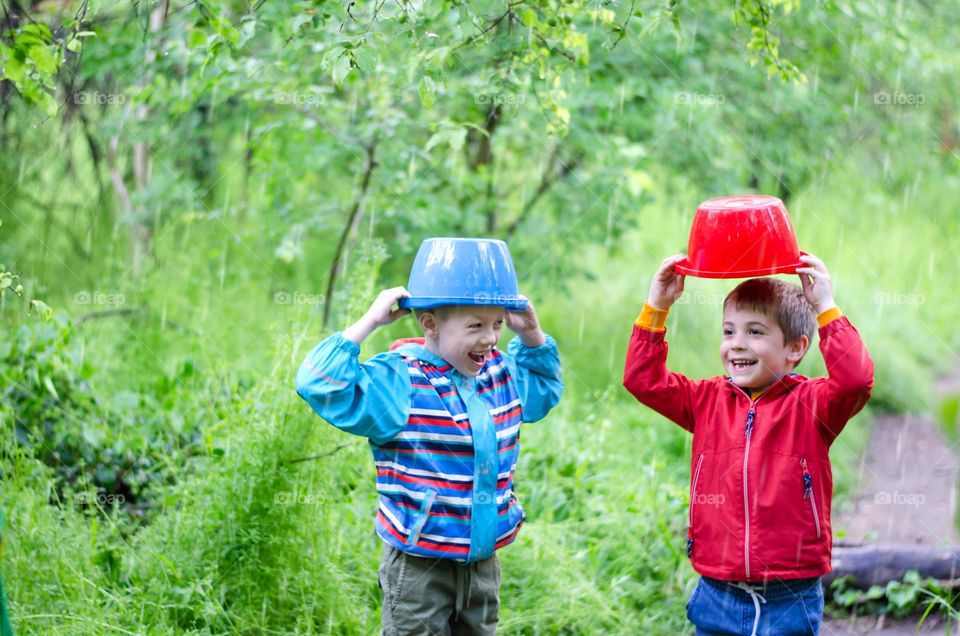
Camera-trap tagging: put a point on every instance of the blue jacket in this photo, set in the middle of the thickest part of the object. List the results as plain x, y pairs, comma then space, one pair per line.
445, 445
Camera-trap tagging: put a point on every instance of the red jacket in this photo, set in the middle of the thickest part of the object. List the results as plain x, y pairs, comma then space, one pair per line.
760, 479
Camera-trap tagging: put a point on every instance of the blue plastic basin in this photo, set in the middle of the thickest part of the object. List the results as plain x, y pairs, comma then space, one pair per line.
463, 271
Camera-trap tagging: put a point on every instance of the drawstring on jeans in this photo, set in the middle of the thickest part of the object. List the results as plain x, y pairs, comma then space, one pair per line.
465, 576
757, 599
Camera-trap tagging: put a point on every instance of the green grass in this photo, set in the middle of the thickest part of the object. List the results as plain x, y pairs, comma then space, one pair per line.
603, 479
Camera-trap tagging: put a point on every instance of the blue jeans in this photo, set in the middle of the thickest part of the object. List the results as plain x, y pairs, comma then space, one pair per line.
786, 608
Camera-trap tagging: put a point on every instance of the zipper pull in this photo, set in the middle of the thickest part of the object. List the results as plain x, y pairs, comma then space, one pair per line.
689, 546
807, 480
749, 428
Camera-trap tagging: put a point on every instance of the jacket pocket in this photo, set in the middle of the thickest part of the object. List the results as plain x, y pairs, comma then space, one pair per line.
425, 505
694, 480
808, 494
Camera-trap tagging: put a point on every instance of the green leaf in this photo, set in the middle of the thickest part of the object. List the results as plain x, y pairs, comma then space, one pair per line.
457, 138
37, 30
247, 31
13, 70
197, 39
366, 58
41, 307
341, 68
47, 103
49, 384
299, 21
43, 57
453, 136
428, 91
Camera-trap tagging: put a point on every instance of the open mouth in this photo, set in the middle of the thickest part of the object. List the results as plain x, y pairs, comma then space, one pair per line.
742, 365
477, 356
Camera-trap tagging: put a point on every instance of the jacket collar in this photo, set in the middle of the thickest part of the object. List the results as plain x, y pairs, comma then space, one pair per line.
420, 352
784, 385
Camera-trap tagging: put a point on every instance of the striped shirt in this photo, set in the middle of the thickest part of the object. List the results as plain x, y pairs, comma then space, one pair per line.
445, 445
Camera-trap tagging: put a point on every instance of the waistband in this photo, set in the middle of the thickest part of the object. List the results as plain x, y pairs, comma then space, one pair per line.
769, 590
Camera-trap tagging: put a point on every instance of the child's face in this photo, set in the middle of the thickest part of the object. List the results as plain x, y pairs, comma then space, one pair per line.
463, 335
753, 350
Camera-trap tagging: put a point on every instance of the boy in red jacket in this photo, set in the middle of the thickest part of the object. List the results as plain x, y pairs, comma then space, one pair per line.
760, 487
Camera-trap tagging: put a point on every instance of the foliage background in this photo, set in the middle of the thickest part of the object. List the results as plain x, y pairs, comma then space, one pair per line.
201, 191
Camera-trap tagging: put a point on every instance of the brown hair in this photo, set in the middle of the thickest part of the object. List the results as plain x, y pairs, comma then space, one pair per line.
780, 300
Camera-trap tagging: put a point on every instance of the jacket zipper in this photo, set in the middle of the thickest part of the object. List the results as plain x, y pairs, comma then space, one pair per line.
748, 432
808, 494
693, 499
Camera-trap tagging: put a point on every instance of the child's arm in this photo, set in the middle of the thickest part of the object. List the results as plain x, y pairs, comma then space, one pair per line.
645, 373
369, 399
849, 381
534, 363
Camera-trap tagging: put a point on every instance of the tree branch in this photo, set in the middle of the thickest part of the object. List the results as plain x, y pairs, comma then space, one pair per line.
353, 218
547, 180
128, 311
321, 455
496, 22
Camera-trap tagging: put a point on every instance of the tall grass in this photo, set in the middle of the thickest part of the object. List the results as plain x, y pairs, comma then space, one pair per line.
250, 541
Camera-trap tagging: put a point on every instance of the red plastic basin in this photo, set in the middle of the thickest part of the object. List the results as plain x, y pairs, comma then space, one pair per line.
740, 237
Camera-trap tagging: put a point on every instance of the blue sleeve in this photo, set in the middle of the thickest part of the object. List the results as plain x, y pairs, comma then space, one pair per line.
371, 399
538, 376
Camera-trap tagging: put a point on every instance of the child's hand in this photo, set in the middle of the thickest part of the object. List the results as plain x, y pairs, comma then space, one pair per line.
667, 284
381, 313
526, 325
817, 288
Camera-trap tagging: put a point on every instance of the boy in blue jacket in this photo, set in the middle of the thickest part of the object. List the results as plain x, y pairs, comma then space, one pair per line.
443, 419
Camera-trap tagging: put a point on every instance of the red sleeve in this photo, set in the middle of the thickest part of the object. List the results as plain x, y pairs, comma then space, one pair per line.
849, 381
646, 376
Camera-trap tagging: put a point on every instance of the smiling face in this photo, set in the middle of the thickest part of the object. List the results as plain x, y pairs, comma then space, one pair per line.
754, 351
462, 335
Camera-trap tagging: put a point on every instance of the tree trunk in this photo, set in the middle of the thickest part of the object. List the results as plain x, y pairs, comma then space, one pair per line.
878, 564
140, 228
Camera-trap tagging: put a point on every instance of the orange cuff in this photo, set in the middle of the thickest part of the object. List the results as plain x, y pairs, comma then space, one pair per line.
829, 316
652, 318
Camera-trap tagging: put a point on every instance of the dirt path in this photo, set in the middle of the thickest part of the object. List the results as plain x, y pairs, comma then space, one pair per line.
908, 486
874, 625
907, 494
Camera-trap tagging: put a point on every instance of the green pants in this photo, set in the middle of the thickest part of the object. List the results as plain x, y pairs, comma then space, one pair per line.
439, 597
